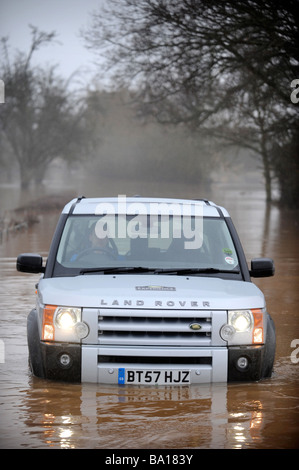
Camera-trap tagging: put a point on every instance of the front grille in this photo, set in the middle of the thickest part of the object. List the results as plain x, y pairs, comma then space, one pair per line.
154, 328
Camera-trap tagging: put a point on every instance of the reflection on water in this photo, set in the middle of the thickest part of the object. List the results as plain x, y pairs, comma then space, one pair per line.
35, 413
128, 417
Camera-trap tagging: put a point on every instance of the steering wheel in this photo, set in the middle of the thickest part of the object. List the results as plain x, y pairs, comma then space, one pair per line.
96, 249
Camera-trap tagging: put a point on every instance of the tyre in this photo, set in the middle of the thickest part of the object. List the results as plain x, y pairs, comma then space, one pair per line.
35, 355
270, 346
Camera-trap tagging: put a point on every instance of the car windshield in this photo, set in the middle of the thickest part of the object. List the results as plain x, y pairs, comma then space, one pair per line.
123, 243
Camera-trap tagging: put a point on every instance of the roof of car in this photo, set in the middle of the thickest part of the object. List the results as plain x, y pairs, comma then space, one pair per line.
141, 205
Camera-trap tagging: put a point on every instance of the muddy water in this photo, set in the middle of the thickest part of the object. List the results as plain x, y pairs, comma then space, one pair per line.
36, 413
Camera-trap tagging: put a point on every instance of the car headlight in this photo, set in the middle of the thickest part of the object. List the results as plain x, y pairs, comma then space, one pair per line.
241, 320
63, 324
244, 327
67, 318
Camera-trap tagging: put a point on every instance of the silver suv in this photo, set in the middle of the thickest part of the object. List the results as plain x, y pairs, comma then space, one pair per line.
148, 291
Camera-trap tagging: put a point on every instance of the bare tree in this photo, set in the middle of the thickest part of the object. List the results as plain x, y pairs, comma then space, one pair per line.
202, 61
38, 121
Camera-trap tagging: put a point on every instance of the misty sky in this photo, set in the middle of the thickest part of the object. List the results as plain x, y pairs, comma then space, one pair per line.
66, 17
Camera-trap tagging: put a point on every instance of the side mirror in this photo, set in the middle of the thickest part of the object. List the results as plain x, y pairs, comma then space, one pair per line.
30, 263
262, 267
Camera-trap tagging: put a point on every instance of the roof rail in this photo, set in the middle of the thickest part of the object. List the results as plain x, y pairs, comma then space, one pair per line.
204, 200
79, 199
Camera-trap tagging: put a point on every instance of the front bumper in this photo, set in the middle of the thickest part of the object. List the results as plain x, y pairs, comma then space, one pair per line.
255, 359
75, 363
102, 364
55, 365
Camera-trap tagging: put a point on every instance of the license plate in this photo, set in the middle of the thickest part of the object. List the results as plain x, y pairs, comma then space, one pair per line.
155, 377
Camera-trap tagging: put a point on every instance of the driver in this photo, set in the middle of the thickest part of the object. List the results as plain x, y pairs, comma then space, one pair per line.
97, 242
100, 244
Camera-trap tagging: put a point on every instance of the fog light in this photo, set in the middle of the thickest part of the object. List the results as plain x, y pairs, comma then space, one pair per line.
65, 360
242, 363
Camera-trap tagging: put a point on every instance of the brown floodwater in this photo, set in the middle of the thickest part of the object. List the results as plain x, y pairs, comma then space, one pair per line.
36, 413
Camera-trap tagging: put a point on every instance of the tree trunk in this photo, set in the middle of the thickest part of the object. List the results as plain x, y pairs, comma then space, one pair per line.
267, 176
25, 176
267, 166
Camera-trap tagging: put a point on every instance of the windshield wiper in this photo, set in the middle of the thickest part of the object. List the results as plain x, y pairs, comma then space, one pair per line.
142, 269
118, 269
183, 271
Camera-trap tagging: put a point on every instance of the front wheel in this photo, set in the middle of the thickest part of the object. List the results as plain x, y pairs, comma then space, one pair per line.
35, 355
270, 346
